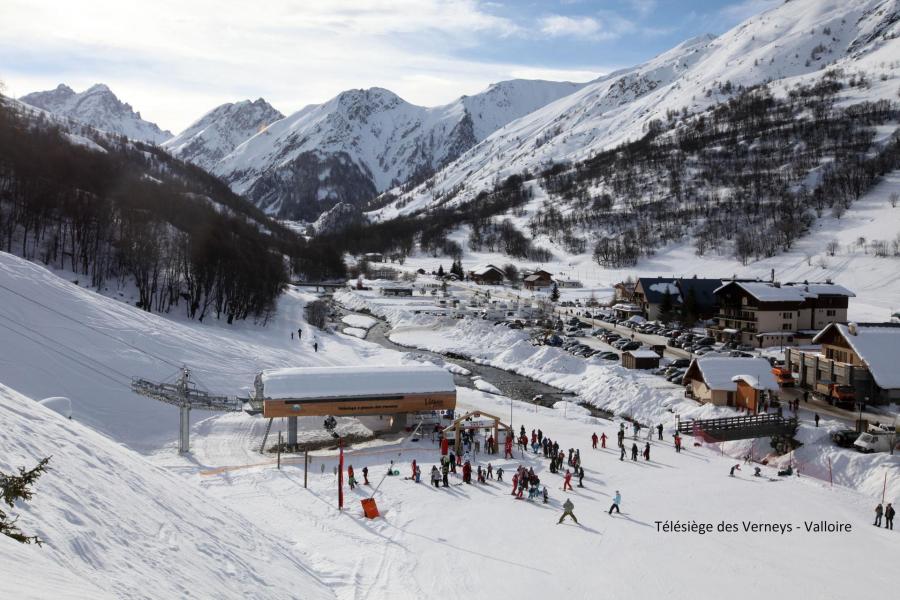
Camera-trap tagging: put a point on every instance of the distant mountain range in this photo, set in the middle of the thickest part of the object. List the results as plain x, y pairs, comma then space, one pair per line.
363, 143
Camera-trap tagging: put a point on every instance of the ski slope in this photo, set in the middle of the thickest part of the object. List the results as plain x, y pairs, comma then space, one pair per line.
60, 339
116, 526
478, 542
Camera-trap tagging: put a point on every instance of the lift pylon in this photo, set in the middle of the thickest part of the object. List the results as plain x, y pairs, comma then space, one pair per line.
186, 396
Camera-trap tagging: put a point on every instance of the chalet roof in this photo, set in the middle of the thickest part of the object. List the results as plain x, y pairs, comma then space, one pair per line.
816, 289
765, 291
877, 345
655, 289
719, 373
480, 270
754, 382
704, 290
337, 382
539, 276
642, 353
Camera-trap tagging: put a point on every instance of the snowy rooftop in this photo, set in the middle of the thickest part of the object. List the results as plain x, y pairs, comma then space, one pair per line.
332, 382
719, 372
878, 347
644, 353
792, 292
484, 269
754, 382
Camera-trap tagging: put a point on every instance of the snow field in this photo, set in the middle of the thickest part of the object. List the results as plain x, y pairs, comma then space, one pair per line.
477, 541
114, 525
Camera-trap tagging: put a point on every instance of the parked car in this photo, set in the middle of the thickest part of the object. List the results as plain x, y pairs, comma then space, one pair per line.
631, 346
676, 377
680, 363
619, 343
874, 441
845, 437
608, 356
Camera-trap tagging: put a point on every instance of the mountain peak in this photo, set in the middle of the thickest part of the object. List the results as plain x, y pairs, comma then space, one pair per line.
97, 107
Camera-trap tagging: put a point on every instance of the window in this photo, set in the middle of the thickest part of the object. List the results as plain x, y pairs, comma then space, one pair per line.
785, 326
787, 315
830, 312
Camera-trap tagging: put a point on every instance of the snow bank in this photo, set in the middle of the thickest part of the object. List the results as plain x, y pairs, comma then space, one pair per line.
59, 404
359, 321
355, 332
113, 522
485, 386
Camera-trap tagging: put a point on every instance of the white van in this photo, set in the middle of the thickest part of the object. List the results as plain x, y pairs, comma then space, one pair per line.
875, 441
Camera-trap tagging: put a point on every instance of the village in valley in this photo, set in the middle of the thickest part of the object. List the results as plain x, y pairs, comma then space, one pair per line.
564, 299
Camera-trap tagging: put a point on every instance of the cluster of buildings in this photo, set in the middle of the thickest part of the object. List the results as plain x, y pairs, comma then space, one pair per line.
537, 280
752, 312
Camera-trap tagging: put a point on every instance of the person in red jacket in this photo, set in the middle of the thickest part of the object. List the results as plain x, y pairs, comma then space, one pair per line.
515, 482
594, 439
603, 440
350, 479
508, 448
413, 469
567, 483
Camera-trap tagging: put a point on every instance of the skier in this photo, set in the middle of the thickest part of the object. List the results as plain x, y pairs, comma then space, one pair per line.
617, 500
878, 512
594, 440
315, 346
567, 483
299, 334
445, 472
350, 479
435, 476
888, 516
515, 482
621, 437
540, 436
622, 455
634, 451
659, 430
292, 335
647, 451
413, 469
546, 495
499, 474
603, 440
507, 448
490, 471
366, 475
757, 472
733, 469
418, 475
817, 418
677, 443
581, 477
567, 511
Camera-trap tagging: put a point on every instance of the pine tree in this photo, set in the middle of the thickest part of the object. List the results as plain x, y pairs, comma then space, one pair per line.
554, 293
440, 272
18, 487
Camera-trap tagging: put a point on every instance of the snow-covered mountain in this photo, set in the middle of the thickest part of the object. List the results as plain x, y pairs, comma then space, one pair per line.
221, 130
795, 40
365, 141
98, 107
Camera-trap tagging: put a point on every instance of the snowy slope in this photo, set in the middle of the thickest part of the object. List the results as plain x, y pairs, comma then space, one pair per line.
795, 40
477, 541
114, 525
220, 131
374, 135
62, 340
98, 107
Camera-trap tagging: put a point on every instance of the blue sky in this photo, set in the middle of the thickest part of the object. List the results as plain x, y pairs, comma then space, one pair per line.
175, 59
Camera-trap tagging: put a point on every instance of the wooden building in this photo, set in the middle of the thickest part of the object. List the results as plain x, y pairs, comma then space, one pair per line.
863, 356
538, 280
640, 359
761, 313
487, 275
726, 381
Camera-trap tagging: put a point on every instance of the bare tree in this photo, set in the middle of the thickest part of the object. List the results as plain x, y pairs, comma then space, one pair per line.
832, 247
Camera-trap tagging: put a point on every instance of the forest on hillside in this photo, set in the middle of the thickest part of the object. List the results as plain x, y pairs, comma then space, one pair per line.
115, 210
757, 163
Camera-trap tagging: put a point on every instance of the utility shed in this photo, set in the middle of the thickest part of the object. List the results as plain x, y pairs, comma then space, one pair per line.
640, 359
354, 391
716, 380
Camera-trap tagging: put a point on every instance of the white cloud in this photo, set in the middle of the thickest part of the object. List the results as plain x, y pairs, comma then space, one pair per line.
561, 26
174, 60
643, 7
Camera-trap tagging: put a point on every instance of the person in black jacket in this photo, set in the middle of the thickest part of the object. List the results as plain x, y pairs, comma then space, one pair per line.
889, 516
659, 430
878, 512
634, 451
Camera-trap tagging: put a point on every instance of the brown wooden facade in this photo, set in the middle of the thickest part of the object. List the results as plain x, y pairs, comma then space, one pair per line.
358, 406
